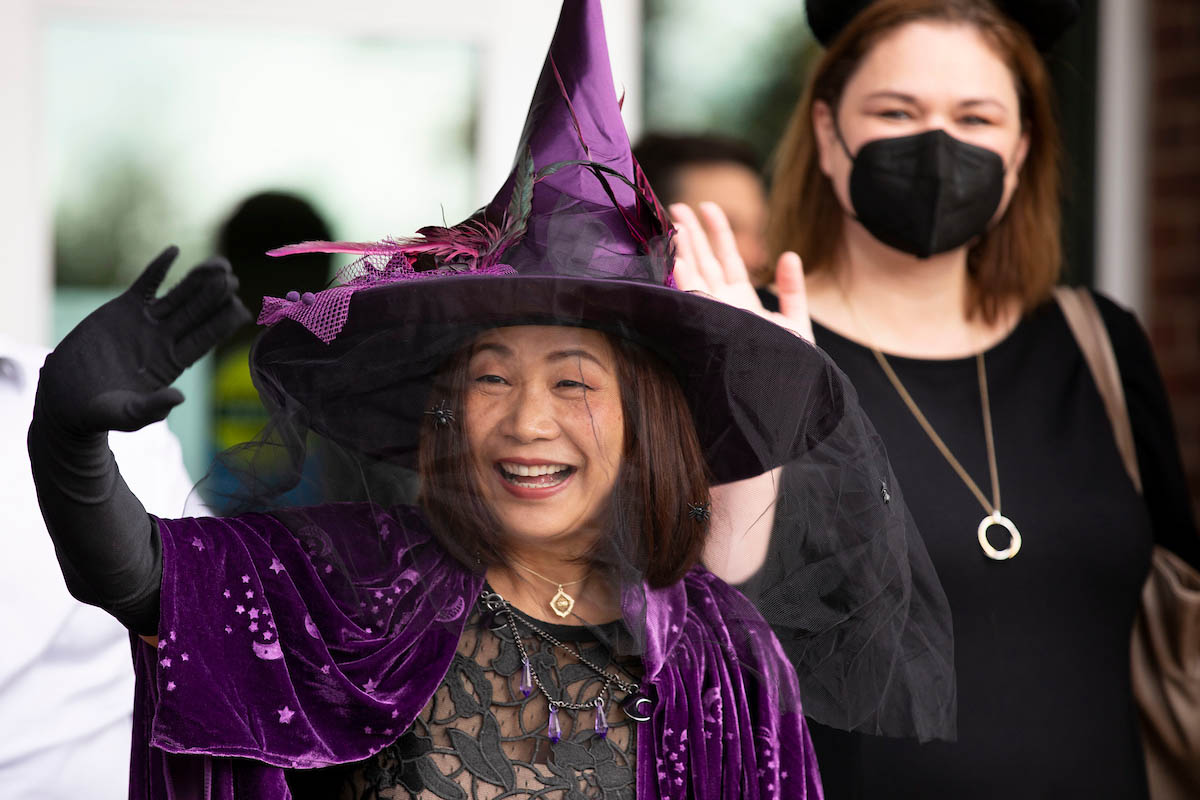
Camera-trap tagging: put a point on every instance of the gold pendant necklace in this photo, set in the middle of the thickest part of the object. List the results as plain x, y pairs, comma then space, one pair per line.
993, 517
561, 603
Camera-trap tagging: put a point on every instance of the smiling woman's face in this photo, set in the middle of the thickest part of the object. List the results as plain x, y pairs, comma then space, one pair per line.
545, 428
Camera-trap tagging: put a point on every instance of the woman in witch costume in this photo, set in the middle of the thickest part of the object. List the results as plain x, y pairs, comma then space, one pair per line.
537, 623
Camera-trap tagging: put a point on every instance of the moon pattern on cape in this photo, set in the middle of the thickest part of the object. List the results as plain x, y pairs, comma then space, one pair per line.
267, 652
311, 627
451, 612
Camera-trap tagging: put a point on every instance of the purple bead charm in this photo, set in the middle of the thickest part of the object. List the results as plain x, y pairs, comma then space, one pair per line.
601, 725
526, 686
554, 729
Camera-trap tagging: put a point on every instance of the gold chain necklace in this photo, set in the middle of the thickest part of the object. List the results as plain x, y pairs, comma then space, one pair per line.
562, 603
994, 517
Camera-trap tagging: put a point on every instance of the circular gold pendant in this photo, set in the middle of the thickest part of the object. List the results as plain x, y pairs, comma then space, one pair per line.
562, 603
1014, 545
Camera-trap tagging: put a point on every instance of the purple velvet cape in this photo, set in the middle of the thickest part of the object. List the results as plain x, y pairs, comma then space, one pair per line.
316, 637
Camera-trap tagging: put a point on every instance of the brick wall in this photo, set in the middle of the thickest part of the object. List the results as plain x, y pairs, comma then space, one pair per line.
1174, 216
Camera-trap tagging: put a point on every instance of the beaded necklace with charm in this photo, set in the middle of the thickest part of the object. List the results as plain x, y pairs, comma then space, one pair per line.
635, 704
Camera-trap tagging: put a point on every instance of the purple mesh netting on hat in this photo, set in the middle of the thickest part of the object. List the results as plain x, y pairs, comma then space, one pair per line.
324, 313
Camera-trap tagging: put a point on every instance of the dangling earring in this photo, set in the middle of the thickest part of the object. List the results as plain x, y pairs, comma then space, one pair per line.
442, 415
700, 512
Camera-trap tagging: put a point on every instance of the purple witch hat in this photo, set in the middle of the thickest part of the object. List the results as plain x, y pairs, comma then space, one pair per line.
575, 202
574, 237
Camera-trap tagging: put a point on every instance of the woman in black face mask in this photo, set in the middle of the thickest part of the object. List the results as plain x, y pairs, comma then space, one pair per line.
919, 183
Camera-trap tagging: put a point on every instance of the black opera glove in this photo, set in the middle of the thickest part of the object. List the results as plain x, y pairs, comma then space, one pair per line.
115, 369
114, 372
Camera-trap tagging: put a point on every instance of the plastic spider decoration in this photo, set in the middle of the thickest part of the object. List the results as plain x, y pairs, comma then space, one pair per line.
700, 512
442, 414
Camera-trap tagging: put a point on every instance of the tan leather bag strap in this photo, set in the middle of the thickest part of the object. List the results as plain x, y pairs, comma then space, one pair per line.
1083, 317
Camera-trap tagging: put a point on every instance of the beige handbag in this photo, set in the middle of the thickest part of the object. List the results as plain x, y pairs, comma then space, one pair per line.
1165, 649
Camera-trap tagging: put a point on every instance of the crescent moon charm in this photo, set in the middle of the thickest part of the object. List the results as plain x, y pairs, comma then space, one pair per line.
1014, 545
638, 707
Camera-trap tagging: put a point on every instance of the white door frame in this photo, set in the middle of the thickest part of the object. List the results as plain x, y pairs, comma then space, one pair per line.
1122, 138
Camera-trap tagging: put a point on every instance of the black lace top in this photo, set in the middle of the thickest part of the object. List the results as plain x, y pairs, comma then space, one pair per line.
481, 737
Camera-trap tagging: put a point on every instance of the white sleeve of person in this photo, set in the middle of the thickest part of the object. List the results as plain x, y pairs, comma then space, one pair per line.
66, 683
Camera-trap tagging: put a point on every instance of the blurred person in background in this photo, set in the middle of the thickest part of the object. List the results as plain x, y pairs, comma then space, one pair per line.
693, 168
66, 690
261, 222
919, 182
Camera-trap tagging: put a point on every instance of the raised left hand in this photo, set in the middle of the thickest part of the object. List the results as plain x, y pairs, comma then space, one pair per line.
707, 260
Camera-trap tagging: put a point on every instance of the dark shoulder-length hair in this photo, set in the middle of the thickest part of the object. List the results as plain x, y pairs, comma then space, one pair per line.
662, 475
1021, 256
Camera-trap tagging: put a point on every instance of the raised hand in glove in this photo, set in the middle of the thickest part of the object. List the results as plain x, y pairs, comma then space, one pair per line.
115, 369
114, 372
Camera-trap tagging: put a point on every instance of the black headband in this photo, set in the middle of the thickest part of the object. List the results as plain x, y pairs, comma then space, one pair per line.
1046, 20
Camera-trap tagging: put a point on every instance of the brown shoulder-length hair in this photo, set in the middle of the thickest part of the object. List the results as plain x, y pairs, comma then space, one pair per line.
1021, 256
663, 473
